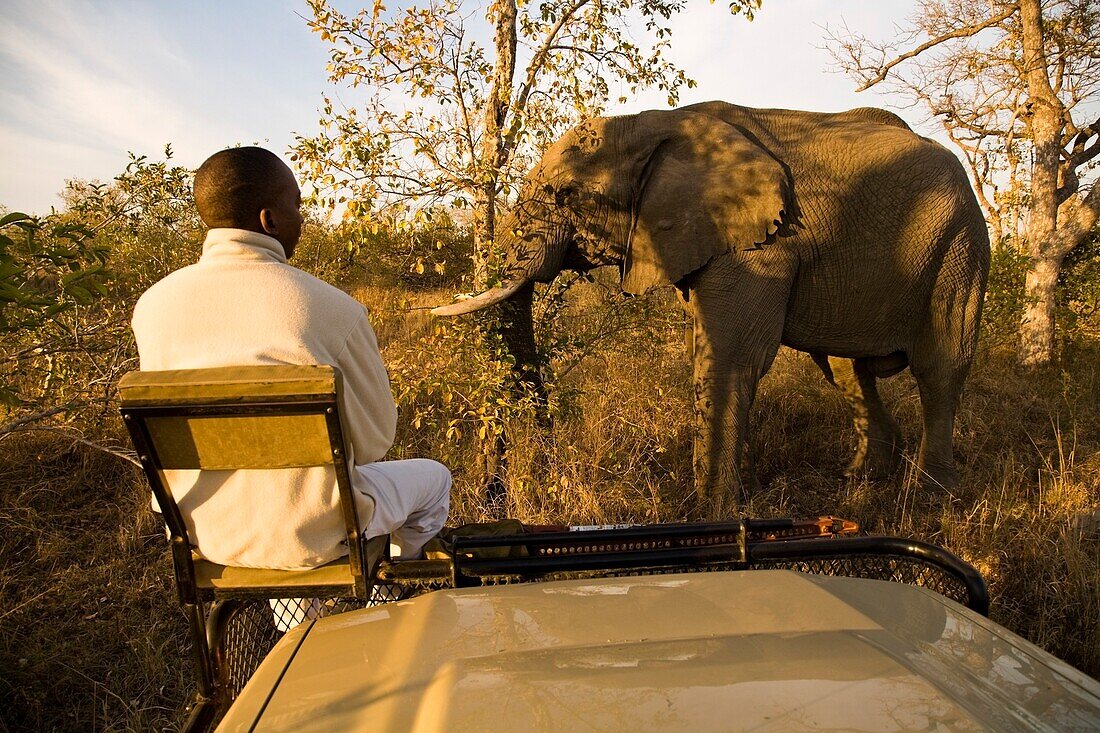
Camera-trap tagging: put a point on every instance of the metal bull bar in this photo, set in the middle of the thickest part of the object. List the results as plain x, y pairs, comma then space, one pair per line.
816, 546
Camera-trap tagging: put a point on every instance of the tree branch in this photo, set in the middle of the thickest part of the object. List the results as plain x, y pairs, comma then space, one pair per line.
1080, 154
1076, 222
977, 178
964, 32
120, 453
537, 60
34, 417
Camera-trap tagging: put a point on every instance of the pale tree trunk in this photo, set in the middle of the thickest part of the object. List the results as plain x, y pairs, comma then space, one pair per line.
1037, 328
1047, 123
996, 229
492, 154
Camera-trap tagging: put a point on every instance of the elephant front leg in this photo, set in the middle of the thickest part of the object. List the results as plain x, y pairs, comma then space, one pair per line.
724, 477
738, 307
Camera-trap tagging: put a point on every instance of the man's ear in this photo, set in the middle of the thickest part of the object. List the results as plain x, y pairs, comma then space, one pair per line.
267, 221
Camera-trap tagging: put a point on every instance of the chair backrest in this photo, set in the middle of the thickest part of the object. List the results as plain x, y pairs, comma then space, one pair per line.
281, 416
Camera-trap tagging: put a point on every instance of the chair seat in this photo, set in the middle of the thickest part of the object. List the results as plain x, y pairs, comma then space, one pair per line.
230, 580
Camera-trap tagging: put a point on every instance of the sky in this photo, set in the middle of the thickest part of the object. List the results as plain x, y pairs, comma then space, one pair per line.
84, 83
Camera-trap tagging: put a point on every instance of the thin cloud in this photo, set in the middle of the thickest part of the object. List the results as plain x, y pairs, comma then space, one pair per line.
81, 98
81, 83
92, 81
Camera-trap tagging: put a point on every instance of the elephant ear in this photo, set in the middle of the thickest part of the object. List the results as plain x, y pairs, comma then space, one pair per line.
705, 189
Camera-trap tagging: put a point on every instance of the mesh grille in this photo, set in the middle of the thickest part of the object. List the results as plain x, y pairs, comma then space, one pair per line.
878, 567
253, 627
249, 635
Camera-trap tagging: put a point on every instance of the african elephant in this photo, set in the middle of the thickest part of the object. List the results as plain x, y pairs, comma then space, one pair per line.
843, 235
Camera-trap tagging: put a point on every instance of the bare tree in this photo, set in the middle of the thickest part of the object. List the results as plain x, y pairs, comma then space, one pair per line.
1015, 85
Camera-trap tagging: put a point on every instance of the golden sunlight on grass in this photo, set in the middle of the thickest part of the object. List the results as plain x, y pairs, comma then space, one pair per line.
96, 639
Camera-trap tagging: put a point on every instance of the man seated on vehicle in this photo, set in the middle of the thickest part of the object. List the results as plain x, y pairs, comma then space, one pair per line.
242, 304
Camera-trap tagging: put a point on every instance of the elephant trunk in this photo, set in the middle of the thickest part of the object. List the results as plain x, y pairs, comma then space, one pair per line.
536, 259
526, 267
517, 328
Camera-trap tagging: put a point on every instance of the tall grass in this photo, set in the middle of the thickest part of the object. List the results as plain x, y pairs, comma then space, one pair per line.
92, 637
1027, 445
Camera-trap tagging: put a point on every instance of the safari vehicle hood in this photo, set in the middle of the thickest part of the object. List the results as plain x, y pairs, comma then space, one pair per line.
759, 650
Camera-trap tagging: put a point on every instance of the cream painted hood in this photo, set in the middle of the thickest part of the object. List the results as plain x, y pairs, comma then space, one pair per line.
724, 651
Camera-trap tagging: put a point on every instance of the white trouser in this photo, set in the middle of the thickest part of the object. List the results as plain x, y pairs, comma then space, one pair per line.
411, 502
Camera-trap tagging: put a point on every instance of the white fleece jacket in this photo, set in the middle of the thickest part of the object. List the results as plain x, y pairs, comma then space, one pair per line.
241, 304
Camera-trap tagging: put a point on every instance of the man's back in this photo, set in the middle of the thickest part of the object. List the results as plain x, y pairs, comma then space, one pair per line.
241, 304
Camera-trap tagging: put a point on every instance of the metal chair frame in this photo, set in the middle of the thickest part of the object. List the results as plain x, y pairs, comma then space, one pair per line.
206, 629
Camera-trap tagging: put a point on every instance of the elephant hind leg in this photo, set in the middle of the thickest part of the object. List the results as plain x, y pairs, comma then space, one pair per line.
879, 441
940, 389
941, 356
940, 366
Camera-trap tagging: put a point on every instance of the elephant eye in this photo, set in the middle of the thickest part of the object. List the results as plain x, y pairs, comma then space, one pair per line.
563, 195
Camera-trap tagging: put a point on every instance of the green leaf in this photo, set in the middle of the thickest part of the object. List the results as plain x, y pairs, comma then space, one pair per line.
81, 294
14, 217
73, 277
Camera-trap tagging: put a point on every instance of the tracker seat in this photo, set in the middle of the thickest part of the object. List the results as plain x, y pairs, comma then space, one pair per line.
245, 417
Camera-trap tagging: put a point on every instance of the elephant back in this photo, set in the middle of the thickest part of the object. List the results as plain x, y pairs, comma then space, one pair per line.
873, 114
865, 159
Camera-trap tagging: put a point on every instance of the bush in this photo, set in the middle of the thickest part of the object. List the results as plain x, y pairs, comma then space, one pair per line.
52, 273
1078, 297
145, 218
1077, 307
1004, 297
433, 252
456, 390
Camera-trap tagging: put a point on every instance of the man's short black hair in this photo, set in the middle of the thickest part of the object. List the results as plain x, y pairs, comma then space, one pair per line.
233, 185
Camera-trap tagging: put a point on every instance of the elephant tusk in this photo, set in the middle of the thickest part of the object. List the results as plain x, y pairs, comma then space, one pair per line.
471, 303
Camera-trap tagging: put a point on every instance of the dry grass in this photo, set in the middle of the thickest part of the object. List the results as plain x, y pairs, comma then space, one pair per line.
91, 637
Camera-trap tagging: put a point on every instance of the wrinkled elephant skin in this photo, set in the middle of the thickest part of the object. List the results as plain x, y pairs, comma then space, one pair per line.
845, 235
